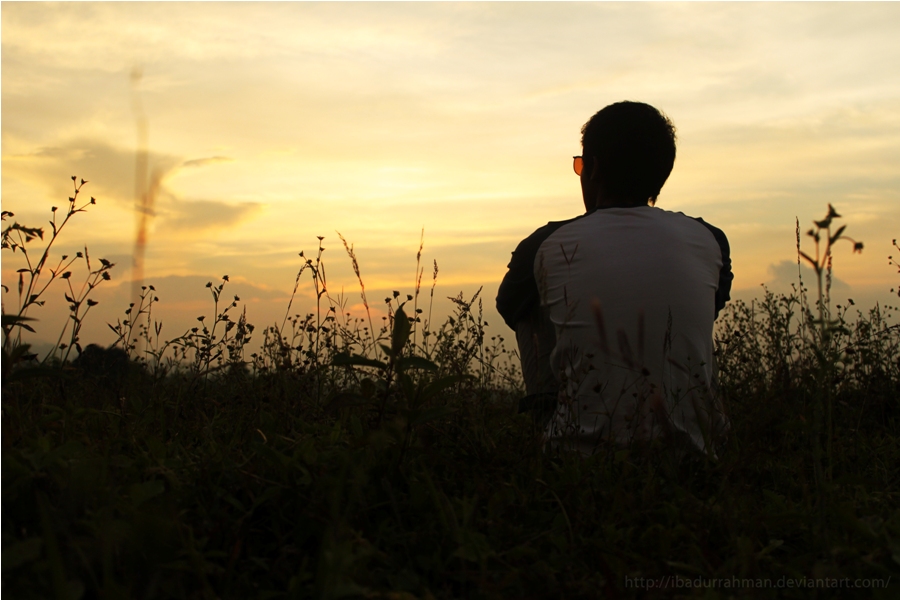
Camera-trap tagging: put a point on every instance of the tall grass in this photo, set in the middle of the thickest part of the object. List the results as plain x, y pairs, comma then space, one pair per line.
339, 458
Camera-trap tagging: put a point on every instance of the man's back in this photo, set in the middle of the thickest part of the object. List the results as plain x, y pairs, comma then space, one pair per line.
625, 295
631, 293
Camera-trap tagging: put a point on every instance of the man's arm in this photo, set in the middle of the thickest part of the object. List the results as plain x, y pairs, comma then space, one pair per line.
517, 296
723, 291
518, 292
518, 302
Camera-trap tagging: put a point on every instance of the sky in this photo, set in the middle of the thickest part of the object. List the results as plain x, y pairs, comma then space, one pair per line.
269, 124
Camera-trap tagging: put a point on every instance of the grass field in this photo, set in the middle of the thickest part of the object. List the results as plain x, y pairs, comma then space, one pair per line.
330, 458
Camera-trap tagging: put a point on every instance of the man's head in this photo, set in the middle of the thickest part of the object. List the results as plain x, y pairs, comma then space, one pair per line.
629, 151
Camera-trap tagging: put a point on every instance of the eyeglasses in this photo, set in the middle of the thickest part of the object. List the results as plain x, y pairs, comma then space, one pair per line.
578, 164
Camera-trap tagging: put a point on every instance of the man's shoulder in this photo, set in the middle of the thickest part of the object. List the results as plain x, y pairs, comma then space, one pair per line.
717, 233
587, 223
613, 219
545, 231
678, 215
518, 293
531, 243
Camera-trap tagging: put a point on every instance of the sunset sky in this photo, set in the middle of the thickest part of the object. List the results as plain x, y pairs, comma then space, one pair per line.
272, 123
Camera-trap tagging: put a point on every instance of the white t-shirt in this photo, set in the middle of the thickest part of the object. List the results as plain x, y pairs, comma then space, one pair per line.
631, 293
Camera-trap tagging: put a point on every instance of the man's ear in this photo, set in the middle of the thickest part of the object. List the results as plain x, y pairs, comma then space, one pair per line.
595, 163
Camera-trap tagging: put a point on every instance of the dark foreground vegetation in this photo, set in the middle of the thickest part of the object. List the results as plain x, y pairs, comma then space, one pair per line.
337, 463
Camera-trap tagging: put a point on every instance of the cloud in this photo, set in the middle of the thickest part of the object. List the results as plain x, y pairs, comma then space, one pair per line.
111, 173
202, 162
783, 274
198, 215
109, 168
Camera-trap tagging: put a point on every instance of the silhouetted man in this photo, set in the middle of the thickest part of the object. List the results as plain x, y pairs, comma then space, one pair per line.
614, 309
